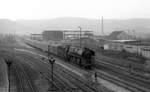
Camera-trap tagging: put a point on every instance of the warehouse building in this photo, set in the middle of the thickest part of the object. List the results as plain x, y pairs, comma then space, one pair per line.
53, 35
132, 46
36, 37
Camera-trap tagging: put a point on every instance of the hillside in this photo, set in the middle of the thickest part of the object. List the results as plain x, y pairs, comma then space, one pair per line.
141, 26
7, 26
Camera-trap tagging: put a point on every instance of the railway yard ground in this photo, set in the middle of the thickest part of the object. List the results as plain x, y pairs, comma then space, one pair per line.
30, 71
3, 76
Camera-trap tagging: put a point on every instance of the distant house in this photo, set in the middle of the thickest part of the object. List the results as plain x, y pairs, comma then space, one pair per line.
119, 35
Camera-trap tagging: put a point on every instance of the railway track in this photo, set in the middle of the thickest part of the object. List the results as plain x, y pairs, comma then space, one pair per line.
130, 81
24, 83
90, 86
125, 80
125, 70
75, 83
45, 71
57, 84
78, 81
106, 77
127, 85
121, 68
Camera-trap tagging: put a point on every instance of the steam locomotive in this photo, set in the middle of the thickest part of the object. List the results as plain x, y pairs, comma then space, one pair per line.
81, 56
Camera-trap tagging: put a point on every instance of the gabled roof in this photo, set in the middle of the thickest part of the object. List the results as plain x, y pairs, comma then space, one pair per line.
114, 34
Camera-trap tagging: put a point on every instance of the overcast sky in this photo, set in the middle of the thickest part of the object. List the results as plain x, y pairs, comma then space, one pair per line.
47, 9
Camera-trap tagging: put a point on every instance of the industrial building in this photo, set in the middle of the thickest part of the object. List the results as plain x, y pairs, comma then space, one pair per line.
36, 36
76, 34
54, 35
58, 35
131, 46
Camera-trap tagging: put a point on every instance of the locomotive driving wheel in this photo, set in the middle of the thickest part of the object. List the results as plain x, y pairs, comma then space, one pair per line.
78, 61
74, 60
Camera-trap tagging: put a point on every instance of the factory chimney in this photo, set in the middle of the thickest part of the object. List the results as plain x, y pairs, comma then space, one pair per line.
102, 27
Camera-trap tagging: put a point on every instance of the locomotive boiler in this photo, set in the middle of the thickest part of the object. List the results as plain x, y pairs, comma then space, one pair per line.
80, 56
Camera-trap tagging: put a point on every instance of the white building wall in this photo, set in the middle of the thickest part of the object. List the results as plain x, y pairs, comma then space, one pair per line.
145, 51
139, 49
106, 46
131, 48
113, 46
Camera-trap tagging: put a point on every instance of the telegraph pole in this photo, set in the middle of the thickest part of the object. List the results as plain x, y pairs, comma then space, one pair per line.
80, 35
128, 34
136, 42
134, 34
51, 61
9, 64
